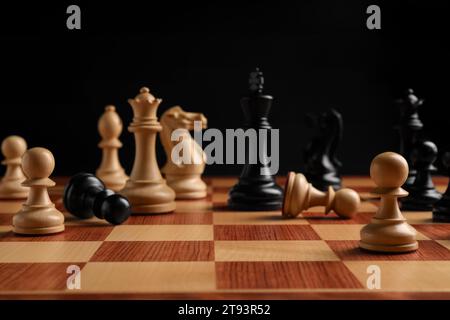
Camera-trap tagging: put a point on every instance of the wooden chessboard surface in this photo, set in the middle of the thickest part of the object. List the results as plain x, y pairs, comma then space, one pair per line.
203, 250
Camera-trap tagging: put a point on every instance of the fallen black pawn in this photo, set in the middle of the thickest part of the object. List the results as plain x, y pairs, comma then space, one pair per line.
86, 196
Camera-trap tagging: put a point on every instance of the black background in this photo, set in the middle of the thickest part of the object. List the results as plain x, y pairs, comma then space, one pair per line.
314, 54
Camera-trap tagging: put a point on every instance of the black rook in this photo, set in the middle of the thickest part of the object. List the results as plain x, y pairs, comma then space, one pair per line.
441, 211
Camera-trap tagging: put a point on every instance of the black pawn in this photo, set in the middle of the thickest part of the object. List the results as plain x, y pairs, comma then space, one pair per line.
422, 194
321, 163
441, 211
86, 196
409, 127
256, 189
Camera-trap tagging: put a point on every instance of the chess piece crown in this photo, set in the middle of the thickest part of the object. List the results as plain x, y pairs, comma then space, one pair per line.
145, 107
256, 105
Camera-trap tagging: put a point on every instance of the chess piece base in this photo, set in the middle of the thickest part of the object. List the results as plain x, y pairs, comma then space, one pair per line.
13, 190
114, 180
246, 196
290, 209
153, 209
388, 235
37, 231
149, 197
14, 196
187, 187
385, 248
37, 220
191, 195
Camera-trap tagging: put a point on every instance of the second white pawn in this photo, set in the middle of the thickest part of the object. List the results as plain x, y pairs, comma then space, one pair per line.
38, 215
13, 148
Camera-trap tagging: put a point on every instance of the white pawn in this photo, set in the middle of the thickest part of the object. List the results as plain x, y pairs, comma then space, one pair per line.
38, 214
110, 171
388, 230
13, 147
300, 195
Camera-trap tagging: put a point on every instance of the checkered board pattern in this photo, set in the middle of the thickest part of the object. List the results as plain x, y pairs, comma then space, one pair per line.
204, 250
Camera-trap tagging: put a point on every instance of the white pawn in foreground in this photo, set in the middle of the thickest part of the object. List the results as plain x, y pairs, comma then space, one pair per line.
38, 215
388, 230
13, 147
110, 171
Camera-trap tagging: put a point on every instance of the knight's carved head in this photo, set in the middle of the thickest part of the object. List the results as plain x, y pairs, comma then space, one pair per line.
176, 117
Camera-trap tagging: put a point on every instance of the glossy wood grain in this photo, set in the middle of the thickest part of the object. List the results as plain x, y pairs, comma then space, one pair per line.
264, 232
155, 251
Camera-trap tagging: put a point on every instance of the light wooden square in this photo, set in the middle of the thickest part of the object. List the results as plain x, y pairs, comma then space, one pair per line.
162, 233
310, 250
406, 275
52, 251
338, 232
141, 277
445, 243
254, 217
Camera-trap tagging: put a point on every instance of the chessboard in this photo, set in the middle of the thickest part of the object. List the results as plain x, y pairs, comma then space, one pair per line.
205, 251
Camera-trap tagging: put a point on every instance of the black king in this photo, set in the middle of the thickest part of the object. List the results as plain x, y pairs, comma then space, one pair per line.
256, 189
